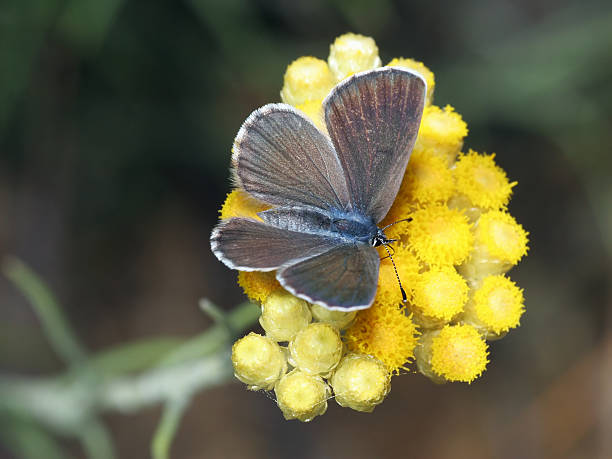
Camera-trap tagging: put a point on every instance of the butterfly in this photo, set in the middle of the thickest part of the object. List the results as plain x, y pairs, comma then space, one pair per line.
328, 190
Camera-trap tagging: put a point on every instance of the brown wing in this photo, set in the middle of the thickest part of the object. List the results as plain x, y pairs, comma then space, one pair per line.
373, 119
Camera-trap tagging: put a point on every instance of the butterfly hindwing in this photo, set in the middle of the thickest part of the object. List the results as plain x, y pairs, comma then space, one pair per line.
373, 119
343, 278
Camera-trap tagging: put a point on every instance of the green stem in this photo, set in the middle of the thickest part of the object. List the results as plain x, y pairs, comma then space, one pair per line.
53, 322
65, 403
171, 418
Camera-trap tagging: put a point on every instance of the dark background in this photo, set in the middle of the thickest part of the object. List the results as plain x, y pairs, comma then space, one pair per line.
116, 123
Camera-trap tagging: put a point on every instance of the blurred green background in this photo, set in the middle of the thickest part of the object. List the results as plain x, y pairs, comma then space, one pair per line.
116, 123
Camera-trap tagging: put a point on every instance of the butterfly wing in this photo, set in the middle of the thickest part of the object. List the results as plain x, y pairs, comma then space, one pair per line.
250, 245
342, 278
281, 158
373, 119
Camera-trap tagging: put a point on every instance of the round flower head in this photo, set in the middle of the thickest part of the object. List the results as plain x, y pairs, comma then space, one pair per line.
352, 53
428, 180
283, 315
360, 382
496, 307
316, 349
337, 319
302, 396
385, 332
483, 183
421, 69
500, 242
454, 353
438, 296
440, 236
442, 131
258, 361
306, 79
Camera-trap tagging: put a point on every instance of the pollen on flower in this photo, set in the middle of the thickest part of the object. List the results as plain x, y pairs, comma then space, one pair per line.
360, 382
440, 236
316, 349
454, 353
442, 131
385, 332
497, 306
306, 79
481, 181
421, 69
427, 180
258, 285
302, 396
258, 361
284, 315
352, 53
240, 204
439, 295
499, 236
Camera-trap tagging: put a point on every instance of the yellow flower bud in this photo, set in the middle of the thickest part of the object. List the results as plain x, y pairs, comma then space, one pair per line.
302, 396
385, 332
454, 353
283, 315
495, 308
338, 319
258, 361
316, 349
440, 236
441, 131
361, 382
500, 242
421, 69
480, 183
438, 296
352, 53
306, 79
428, 180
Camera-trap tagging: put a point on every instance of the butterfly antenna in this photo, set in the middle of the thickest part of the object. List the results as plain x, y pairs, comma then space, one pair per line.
404, 297
399, 221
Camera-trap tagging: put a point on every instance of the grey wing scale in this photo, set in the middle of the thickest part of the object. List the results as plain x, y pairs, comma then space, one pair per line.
297, 219
373, 119
343, 278
250, 245
281, 158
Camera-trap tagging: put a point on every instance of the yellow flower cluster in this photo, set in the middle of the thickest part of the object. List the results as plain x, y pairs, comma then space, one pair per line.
452, 257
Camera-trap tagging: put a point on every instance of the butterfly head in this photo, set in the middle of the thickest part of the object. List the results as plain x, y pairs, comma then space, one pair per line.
380, 239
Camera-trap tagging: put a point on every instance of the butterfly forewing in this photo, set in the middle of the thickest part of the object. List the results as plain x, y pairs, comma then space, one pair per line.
281, 158
344, 277
373, 119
